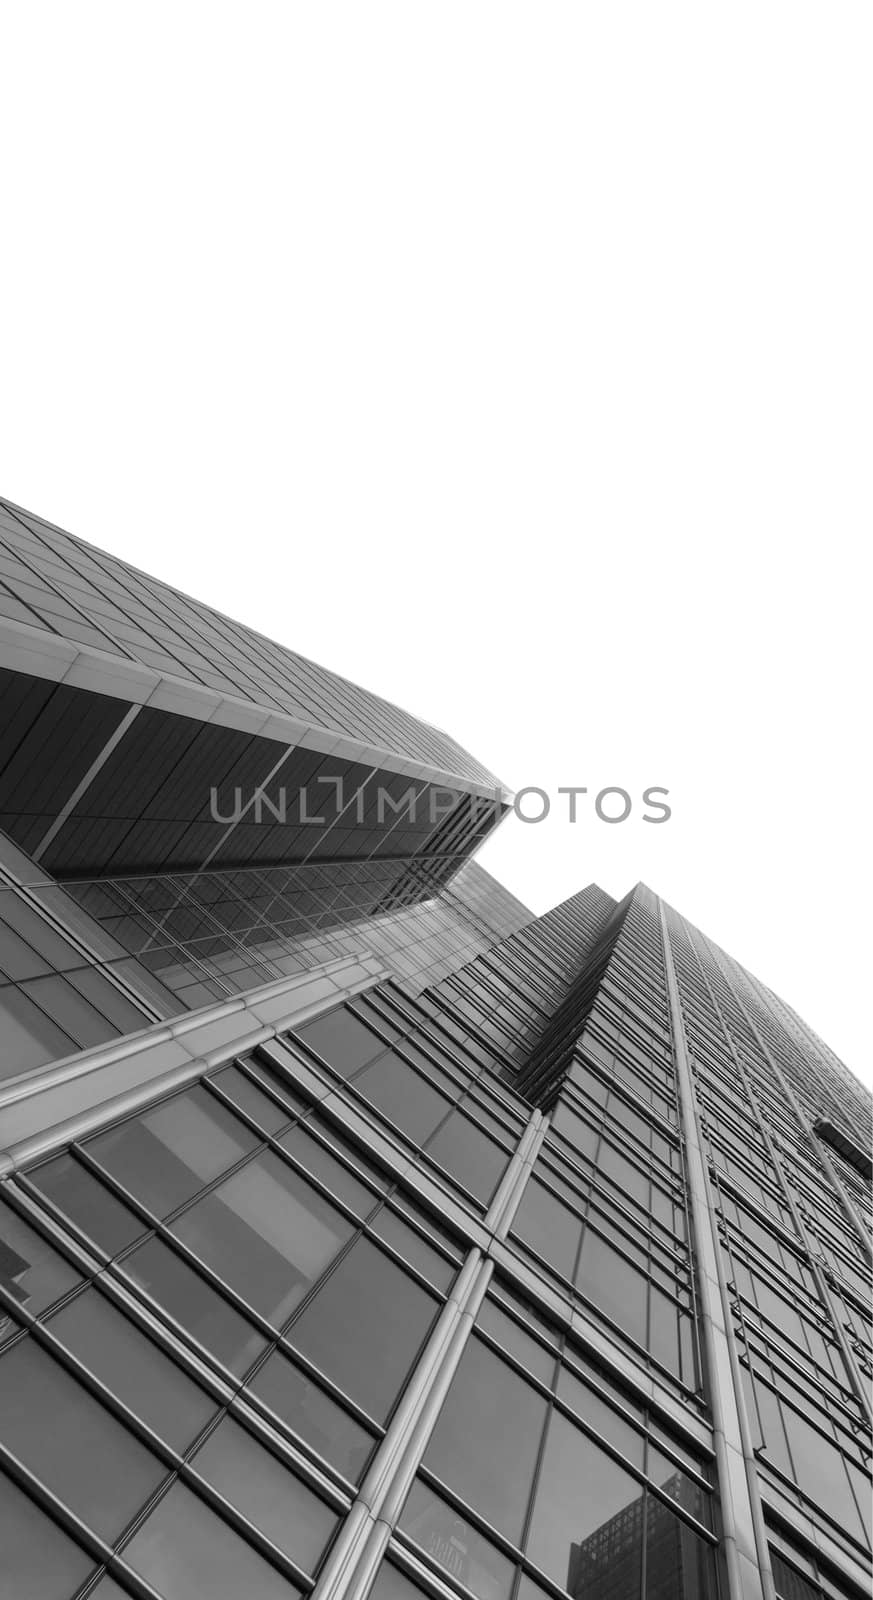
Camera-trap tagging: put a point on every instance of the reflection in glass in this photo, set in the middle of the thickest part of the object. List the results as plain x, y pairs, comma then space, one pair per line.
396, 1089
392, 1584
312, 1155
365, 1326
548, 1228
265, 1491
130, 1365
257, 1105
600, 1416
164, 1156
613, 1285
413, 1248
485, 1443
186, 1552
445, 1535
194, 1305
588, 1514
71, 1443
87, 1202
38, 1561
341, 1040
679, 1565
267, 1233
313, 1415
31, 1271
468, 1155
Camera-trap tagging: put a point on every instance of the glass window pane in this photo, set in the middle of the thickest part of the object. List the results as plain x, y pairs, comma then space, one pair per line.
133, 1368
329, 1170
38, 1561
490, 1417
468, 1155
601, 1416
341, 1040
185, 1551
346, 1334
677, 1484
414, 1249
452, 1543
164, 1156
267, 1233
396, 1089
251, 1100
548, 1228
194, 1305
507, 1332
88, 1204
313, 1415
72, 1443
610, 1282
392, 1584
30, 1038
678, 1563
578, 1534
267, 1493
31, 1270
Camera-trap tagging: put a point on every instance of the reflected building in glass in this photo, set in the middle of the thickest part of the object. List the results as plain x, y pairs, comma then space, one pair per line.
360, 1233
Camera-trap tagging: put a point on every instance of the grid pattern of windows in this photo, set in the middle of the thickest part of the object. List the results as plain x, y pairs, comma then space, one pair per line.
207, 935
797, 1272
56, 997
233, 1292
445, 1108
51, 580
591, 1493
195, 1361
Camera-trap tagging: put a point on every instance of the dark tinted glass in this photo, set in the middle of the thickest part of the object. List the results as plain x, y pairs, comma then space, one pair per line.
392, 1584
455, 1545
72, 1443
31, 1270
548, 1228
600, 1416
485, 1443
274, 1500
610, 1282
313, 1415
323, 1165
468, 1154
87, 1202
133, 1368
166, 1155
579, 1491
507, 1332
679, 1565
365, 1326
251, 1100
414, 1248
194, 1305
37, 1561
342, 1041
185, 1551
396, 1089
267, 1232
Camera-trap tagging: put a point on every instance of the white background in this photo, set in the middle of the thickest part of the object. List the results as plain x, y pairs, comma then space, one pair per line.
513, 360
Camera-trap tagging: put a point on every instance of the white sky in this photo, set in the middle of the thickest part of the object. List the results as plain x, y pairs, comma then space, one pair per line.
513, 360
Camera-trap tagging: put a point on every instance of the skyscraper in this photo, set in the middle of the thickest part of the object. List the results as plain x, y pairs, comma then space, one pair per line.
393, 1241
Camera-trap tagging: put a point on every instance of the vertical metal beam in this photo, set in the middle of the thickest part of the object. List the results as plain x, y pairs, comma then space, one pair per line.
744, 1535
354, 1560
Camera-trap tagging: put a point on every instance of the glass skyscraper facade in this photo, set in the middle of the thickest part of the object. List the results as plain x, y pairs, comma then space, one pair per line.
360, 1233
